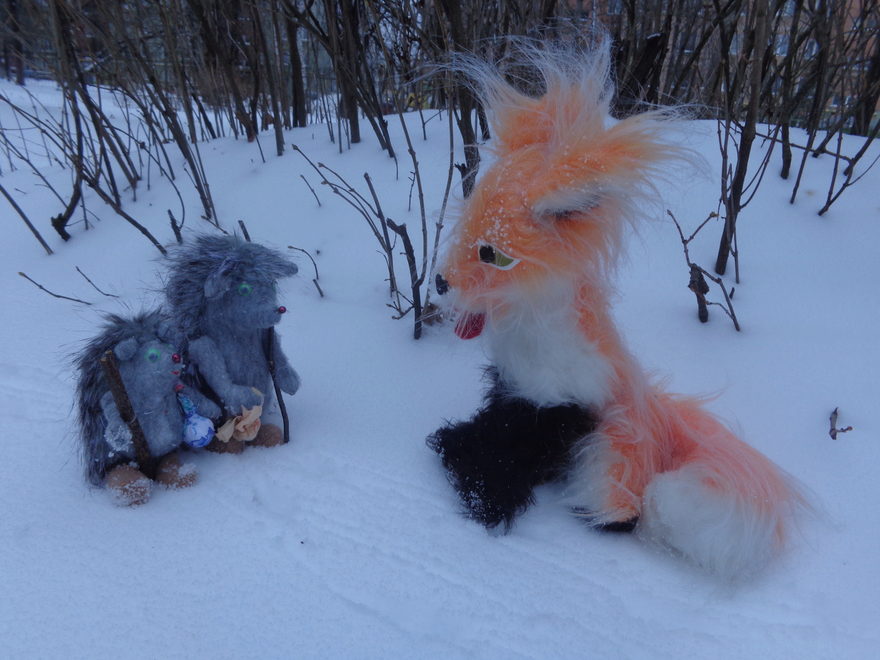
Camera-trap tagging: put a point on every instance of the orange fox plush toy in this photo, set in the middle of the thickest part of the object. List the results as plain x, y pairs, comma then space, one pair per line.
529, 267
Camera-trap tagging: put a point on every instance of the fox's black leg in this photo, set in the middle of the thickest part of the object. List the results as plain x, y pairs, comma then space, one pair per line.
496, 458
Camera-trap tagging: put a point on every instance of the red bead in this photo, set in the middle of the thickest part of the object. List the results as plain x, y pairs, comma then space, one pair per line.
282, 309
175, 358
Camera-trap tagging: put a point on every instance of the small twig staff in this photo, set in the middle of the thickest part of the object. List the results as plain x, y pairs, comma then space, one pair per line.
146, 462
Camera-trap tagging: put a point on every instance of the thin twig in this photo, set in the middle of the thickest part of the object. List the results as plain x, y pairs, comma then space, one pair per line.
26, 220
279, 397
301, 176
175, 227
109, 295
697, 283
415, 282
244, 231
315, 279
834, 430
54, 295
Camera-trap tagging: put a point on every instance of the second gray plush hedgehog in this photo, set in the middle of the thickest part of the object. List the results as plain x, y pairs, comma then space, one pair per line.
150, 367
221, 293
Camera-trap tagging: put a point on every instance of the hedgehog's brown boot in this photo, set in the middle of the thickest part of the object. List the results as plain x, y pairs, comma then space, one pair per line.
232, 446
128, 486
172, 473
269, 435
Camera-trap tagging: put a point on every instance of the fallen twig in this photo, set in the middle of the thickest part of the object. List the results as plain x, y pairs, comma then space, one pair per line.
834, 430
54, 295
103, 293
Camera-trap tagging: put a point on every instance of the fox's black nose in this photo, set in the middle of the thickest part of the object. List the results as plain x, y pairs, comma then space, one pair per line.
441, 284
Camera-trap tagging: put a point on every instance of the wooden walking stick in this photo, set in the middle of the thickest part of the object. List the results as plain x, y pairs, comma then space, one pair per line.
144, 459
270, 359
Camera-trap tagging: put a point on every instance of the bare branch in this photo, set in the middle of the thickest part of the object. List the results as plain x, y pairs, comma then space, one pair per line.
26, 220
834, 430
314, 265
698, 275
54, 295
103, 293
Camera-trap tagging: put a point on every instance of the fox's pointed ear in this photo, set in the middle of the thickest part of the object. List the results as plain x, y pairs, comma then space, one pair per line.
520, 125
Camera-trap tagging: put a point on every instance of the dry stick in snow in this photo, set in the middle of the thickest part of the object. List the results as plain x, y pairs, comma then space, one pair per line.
370, 213
244, 231
109, 295
54, 295
834, 430
315, 279
439, 224
310, 188
175, 226
145, 460
26, 220
697, 283
415, 282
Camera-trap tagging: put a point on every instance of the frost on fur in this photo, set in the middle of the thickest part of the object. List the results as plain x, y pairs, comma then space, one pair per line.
530, 265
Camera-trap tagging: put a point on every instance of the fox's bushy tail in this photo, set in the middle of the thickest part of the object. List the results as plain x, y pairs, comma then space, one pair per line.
692, 483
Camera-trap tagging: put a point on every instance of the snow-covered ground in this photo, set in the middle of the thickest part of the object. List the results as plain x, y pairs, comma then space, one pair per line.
348, 542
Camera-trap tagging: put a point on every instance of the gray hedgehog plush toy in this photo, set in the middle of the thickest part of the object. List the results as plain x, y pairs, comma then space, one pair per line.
221, 292
150, 367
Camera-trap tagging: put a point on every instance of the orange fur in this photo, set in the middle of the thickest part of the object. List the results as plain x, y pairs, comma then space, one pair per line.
565, 183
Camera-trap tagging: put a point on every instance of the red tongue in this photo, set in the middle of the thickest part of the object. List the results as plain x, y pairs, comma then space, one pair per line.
470, 325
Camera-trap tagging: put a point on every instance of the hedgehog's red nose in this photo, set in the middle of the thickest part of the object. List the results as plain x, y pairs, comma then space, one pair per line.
282, 309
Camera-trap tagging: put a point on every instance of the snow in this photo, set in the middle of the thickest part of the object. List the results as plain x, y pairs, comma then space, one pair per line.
348, 542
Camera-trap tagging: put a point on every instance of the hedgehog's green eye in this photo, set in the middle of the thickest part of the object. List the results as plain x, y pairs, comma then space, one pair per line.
245, 289
152, 355
495, 257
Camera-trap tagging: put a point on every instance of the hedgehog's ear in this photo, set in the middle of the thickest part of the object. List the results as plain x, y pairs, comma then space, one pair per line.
284, 268
218, 281
215, 285
289, 269
166, 331
126, 349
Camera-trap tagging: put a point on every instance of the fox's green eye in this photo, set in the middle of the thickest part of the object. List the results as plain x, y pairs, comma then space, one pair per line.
152, 355
495, 257
245, 289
